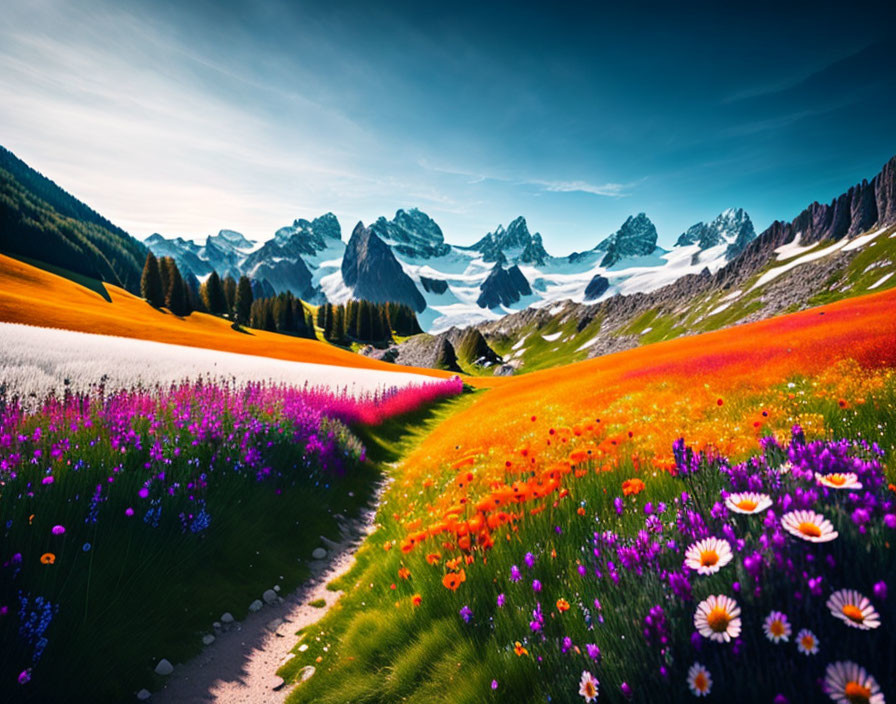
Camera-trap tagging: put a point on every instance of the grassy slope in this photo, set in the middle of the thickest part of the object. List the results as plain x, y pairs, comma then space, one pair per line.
866, 269
366, 649
37, 297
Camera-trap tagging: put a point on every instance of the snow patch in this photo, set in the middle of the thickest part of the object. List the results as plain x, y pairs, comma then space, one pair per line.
553, 336
863, 240
881, 281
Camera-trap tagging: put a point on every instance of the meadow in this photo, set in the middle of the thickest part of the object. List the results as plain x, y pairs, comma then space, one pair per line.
132, 519
711, 516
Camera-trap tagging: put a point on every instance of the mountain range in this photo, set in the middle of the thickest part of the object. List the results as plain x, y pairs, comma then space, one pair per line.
407, 260
503, 304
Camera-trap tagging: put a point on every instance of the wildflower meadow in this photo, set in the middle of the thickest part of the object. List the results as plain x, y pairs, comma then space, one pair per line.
132, 519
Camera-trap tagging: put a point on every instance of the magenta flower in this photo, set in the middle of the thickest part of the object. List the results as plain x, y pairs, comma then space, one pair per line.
129, 512
58, 530
536, 585
593, 651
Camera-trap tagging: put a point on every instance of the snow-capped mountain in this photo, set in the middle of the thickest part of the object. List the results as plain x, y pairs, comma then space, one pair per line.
407, 259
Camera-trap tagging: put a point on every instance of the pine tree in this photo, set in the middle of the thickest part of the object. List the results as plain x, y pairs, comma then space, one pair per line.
151, 282
243, 303
165, 264
214, 297
176, 297
229, 286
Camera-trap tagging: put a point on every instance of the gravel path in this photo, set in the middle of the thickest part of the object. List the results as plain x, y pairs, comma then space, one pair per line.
240, 665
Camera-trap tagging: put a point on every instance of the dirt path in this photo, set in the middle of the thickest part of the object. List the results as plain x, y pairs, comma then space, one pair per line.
240, 665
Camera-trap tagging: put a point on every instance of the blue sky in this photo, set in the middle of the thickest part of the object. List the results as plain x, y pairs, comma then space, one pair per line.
185, 118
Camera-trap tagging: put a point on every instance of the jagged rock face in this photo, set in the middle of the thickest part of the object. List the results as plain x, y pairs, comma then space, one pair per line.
285, 275
732, 226
373, 273
305, 237
503, 287
515, 241
412, 233
433, 285
596, 287
636, 238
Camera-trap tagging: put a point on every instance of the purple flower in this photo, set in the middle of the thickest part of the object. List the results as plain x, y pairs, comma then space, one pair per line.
593, 651
25, 676
626, 690
515, 575
47, 480
143, 493
58, 530
494, 684
880, 591
530, 560
618, 505
501, 600
129, 512
536, 585
566, 646
466, 613
890, 521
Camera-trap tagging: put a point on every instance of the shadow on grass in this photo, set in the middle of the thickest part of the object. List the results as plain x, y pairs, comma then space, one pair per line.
87, 282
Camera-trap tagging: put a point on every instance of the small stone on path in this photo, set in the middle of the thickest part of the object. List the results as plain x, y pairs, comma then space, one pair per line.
143, 695
164, 668
255, 606
270, 596
306, 672
227, 618
319, 554
208, 639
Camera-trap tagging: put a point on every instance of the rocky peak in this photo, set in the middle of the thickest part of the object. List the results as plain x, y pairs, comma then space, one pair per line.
373, 273
515, 242
229, 241
412, 233
732, 227
637, 237
503, 287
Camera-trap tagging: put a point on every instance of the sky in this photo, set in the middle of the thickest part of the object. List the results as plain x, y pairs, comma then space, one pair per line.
187, 118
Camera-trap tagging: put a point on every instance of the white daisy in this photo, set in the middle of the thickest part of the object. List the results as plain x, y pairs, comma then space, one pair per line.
777, 627
588, 686
853, 609
699, 680
785, 468
708, 555
748, 502
850, 683
809, 525
844, 480
718, 618
806, 642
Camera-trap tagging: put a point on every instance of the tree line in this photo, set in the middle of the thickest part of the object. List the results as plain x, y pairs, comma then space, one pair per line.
162, 285
366, 322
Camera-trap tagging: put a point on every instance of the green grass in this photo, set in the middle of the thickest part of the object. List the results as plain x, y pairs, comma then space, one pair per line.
317, 603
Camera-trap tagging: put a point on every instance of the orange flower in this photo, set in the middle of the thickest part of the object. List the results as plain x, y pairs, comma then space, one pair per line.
453, 563
562, 605
519, 649
631, 487
416, 600
404, 573
434, 558
453, 580
48, 558
387, 546
581, 510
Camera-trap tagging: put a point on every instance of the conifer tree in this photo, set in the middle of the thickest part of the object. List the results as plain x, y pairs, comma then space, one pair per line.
151, 282
213, 294
243, 303
229, 286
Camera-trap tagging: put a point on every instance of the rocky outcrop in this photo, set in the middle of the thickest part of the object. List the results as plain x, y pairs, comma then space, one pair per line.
433, 285
503, 287
596, 288
473, 349
636, 238
412, 233
373, 273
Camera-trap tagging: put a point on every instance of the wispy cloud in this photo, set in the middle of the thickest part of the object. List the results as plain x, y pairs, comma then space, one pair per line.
610, 190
